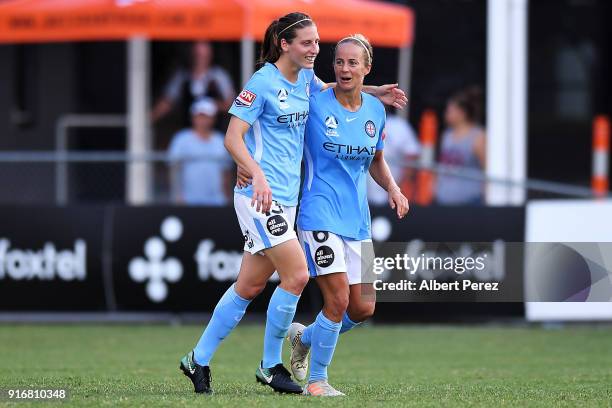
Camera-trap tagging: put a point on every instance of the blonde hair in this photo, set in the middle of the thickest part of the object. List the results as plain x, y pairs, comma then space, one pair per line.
361, 40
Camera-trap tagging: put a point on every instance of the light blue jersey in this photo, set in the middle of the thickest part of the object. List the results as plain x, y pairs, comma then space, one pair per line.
339, 148
277, 111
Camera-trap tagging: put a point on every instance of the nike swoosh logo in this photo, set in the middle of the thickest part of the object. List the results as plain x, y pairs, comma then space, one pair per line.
350, 120
324, 346
268, 379
285, 309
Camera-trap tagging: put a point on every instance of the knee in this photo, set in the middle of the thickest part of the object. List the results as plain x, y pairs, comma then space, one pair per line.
250, 292
336, 305
362, 312
296, 282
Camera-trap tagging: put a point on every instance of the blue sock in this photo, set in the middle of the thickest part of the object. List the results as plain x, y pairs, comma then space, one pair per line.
281, 311
347, 323
323, 338
227, 315
307, 335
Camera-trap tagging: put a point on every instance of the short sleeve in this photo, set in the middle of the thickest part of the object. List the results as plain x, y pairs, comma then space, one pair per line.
176, 150
380, 145
249, 104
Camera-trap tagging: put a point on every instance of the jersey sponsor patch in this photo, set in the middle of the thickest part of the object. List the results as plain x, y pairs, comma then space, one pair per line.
277, 225
324, 256
245, 99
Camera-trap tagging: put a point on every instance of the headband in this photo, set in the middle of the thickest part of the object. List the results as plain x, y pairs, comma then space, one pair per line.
291, 25
365, 47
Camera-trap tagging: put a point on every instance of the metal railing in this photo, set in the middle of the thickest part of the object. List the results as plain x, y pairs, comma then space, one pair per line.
37, 171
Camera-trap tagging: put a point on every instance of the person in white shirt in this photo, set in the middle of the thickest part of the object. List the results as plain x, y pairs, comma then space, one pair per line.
201, 167
401, 147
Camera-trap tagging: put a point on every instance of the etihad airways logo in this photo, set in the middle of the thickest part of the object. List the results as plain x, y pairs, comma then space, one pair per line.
349, 149
350, 152
294, 119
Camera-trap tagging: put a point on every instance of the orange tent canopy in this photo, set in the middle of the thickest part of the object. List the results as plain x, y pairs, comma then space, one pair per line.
384, 24
229, 20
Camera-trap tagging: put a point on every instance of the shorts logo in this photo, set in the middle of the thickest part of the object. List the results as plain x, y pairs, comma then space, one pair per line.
282, 98
245, 99
332, 124
248, 240
320, 236
324, 256
370, 128
277, 225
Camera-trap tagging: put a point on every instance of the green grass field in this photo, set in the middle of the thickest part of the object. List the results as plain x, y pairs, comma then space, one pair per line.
382, 365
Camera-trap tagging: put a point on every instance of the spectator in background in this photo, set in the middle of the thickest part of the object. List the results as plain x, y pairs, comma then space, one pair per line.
201, 168
401, 147
200, 80
463, 145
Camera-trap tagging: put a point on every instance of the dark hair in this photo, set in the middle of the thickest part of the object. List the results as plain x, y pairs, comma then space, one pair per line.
469, 100
285, 27
361, 41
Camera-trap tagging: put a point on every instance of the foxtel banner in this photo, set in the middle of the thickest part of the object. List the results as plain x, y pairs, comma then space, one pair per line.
181, 259
51, 258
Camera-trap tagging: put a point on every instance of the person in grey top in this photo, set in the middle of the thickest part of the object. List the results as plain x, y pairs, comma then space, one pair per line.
201, 79
463, 145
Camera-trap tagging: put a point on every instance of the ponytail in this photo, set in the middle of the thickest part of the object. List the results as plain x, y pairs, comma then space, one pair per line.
270, 51
285, 27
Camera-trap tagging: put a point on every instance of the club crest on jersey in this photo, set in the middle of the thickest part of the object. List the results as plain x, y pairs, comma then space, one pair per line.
282, 98
245, 99
370, 128
332, 124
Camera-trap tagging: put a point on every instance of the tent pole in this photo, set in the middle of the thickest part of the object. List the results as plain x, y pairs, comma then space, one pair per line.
247, 59
138, 183
517, 138
404, 74
497, 100
506, 99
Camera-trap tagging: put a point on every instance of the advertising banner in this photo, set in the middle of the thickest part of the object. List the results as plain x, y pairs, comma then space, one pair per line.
51, 258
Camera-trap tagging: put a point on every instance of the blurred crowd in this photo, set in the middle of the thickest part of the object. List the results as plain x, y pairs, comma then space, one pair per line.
202, 172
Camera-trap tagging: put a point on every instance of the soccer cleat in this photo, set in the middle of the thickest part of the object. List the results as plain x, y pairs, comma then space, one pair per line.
278, 378
299, 352
199, 375
321, 388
